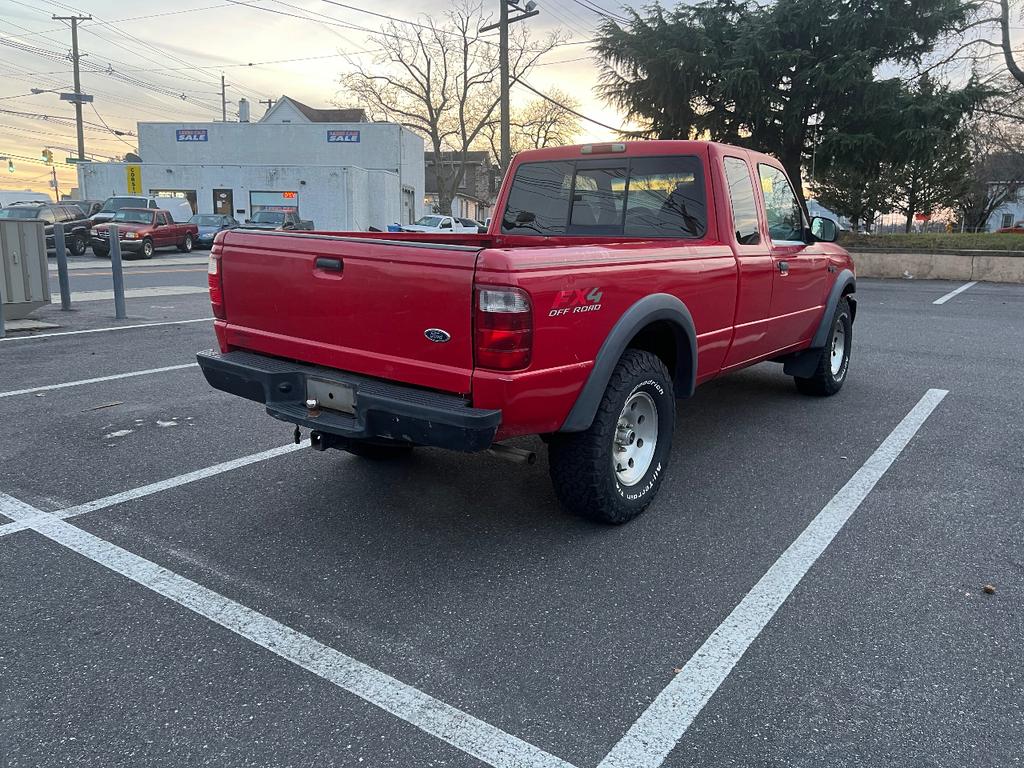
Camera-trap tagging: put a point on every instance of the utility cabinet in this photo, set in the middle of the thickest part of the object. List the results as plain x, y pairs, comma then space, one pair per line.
25, 276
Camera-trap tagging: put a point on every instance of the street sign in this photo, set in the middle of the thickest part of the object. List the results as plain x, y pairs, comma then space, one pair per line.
133, 177
76, 160
82, 97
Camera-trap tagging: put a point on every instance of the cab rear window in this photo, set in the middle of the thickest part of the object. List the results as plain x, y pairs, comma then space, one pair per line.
641, 197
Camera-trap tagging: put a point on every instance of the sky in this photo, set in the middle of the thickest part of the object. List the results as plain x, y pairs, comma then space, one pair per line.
185, 46
140, 58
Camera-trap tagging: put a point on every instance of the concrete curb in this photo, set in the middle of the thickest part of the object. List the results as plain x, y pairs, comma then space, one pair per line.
941, 266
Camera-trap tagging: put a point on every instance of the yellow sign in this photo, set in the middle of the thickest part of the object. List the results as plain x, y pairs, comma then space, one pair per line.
133, 175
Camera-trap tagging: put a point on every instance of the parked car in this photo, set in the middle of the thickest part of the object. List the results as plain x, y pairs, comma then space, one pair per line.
142, 231
10, 197
1016, 229
209, 224
443, 224
279, 220
473, 225
179, 208
581, 316
69, 217
89, 207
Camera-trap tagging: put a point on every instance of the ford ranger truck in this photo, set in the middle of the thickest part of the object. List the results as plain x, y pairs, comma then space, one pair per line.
141, 231
613, 280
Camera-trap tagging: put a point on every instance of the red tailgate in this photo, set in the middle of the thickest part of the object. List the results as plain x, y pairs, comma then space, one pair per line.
355, 304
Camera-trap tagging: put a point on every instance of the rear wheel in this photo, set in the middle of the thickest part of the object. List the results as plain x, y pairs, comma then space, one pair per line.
611, 472
186, 244
78, 244
834, 362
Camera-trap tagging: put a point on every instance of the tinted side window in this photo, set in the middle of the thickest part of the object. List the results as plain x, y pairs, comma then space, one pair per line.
46, 215
741, 195
665, 198
785, 218
539, 200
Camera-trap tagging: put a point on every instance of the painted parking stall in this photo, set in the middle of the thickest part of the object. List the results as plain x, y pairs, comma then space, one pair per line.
440, 625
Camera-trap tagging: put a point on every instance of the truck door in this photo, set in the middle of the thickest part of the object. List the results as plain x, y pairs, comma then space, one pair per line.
166, 233
751, 337
799, 276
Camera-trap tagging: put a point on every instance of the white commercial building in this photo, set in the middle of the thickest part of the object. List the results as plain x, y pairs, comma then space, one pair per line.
336, 169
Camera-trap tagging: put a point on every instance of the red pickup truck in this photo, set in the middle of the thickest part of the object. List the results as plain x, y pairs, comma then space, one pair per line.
613, 280
141, 231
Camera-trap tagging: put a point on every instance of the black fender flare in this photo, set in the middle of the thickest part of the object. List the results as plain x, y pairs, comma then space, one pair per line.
843, 281
804, 362
650, 309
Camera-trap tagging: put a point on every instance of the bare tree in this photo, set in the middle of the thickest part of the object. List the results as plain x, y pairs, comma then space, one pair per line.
539, 123
1008, 54
440, 78
996, 174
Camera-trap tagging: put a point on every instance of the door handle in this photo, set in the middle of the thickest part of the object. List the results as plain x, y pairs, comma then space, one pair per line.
331, 265
784, 267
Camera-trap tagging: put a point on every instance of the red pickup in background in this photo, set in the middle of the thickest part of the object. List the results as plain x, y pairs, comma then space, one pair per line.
614, 279
141, 231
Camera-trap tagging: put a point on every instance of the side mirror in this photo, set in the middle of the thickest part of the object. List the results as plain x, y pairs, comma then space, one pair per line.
824, 230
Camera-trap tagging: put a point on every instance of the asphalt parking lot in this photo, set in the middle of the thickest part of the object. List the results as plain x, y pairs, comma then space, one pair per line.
182, 586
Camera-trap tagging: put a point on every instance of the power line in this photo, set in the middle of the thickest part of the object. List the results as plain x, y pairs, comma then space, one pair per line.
580, 115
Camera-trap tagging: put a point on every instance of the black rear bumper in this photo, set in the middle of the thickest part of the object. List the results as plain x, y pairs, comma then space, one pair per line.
382, 410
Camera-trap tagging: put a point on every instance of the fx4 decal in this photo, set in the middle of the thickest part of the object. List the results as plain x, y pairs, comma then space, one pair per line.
576, 300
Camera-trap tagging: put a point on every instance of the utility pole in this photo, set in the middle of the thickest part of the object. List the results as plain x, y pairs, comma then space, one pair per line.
269, 102
78, 84
223, 100
502, 26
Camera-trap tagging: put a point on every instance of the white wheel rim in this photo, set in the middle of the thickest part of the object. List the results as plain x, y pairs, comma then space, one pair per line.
636, 438
838, 347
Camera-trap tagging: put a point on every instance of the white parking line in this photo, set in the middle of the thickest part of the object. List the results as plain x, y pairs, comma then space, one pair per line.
98, 379
160, 485
104, 330
433, 716
657, 731
956, 292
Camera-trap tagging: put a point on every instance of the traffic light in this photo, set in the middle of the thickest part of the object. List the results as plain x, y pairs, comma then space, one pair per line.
48, 156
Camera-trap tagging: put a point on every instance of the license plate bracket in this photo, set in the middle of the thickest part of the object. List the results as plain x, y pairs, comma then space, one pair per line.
332, 395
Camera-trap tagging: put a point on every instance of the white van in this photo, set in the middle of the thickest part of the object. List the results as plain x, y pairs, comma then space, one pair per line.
10, 197
179, 208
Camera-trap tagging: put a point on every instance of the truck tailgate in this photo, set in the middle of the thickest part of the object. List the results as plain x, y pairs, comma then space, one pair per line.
355, 304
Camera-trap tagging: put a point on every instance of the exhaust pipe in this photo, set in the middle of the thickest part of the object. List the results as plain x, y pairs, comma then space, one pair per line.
518, 455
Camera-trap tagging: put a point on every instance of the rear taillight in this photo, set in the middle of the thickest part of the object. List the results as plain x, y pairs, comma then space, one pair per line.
216, 280
504, 328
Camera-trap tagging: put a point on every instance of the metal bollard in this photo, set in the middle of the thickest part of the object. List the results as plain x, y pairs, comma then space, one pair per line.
115, 269
3, 331
62, 266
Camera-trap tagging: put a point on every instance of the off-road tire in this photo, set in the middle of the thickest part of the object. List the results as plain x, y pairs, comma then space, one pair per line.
378, 451
186, 244
581, 463
825, 382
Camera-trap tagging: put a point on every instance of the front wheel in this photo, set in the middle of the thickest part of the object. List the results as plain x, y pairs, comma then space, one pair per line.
611, 472
834, 361
147, 249
186, 244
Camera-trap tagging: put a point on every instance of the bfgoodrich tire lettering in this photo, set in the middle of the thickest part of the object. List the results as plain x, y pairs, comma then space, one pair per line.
585, 466
834, 362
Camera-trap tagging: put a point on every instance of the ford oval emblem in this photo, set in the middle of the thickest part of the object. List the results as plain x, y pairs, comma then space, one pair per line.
437, 335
